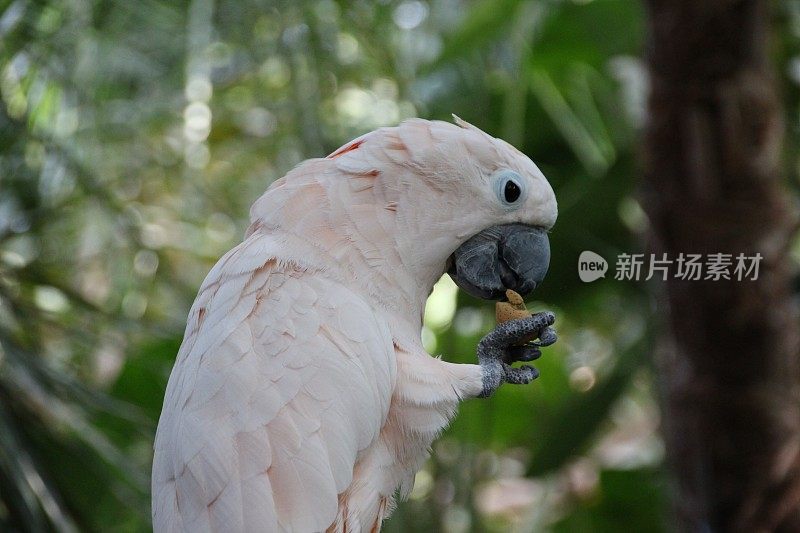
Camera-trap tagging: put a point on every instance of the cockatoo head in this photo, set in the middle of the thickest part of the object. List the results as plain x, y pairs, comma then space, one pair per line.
480, 207
400, 206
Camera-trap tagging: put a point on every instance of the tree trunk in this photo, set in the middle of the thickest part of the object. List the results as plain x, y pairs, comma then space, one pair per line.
728, 361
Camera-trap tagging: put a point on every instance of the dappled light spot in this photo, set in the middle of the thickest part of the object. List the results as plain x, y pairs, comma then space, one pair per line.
582, 378
51, 299
441, 305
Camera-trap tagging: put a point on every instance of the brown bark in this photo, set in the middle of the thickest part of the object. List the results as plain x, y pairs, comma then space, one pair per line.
729, 360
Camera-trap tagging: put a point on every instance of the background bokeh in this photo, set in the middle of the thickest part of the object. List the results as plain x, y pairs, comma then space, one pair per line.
135, 135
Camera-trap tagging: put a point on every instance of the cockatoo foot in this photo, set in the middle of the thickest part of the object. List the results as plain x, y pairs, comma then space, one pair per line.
496, 352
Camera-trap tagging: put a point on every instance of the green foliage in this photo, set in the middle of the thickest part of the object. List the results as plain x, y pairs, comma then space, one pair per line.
626, 500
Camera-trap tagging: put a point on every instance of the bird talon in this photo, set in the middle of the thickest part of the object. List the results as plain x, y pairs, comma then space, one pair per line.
526, 352
546, 337
522, 375
510, 342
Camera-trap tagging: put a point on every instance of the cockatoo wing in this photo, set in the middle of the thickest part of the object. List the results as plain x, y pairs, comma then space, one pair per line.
283, 377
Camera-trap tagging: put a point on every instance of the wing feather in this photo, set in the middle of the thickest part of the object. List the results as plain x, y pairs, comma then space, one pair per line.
283, 378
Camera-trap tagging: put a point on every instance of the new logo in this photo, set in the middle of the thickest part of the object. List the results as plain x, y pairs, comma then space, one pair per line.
591, 266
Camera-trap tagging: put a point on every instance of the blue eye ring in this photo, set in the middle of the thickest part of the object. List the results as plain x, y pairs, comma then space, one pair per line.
509, 188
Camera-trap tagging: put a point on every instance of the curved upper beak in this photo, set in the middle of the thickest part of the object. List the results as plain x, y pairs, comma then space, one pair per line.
508, 256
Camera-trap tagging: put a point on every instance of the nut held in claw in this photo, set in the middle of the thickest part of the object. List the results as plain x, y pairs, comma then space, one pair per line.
512, 309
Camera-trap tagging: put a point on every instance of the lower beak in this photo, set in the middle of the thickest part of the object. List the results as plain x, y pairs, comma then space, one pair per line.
509, 256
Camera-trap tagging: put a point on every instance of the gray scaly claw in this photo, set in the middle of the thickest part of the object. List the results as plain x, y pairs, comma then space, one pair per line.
496, 351
546, 337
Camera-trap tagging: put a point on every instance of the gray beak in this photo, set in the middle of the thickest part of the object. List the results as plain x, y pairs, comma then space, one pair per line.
510, 256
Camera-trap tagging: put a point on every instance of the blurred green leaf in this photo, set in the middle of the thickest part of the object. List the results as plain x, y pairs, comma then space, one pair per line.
625, 500
486, 20
572, 426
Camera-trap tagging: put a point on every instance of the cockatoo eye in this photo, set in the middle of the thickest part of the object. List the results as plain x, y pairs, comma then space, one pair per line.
510, 188
511, 191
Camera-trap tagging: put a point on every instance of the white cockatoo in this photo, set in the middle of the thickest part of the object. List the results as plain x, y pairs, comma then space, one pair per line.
302, 398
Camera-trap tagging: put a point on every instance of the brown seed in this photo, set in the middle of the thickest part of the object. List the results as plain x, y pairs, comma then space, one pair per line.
512, 309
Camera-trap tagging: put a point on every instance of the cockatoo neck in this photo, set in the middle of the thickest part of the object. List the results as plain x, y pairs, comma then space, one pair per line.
394, 289
401, 292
